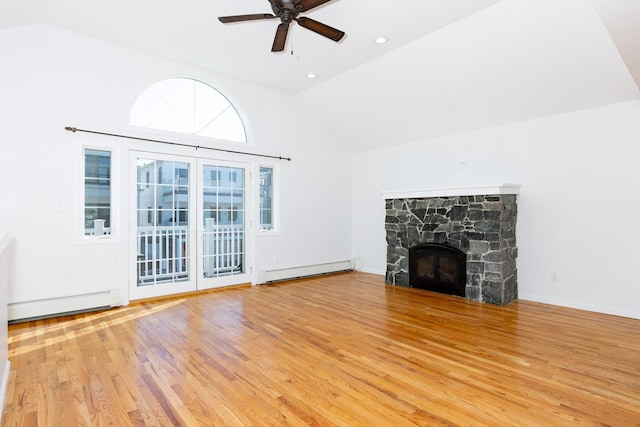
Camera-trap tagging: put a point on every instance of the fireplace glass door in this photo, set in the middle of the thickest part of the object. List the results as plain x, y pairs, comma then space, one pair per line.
438, 267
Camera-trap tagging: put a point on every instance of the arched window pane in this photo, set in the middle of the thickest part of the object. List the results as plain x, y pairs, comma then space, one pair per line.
224, 128
188, 106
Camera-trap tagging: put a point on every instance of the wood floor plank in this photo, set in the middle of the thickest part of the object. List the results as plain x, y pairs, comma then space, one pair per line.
342, 350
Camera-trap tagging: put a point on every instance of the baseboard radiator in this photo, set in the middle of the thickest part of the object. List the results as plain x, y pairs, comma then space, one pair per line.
270, 276
52, 307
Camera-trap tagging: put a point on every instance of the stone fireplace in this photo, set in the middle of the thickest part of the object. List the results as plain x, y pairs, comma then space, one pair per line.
480, 222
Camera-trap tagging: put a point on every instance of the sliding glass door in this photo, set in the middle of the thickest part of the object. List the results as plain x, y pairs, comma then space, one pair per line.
190, 224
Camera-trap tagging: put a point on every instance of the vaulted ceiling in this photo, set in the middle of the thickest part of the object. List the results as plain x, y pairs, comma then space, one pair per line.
449, 65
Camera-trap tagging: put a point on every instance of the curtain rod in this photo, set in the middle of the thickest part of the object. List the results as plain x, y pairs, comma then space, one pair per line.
197, 147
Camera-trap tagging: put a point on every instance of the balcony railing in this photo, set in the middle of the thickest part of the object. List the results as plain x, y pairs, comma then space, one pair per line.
163, 252
98, 230
223, 249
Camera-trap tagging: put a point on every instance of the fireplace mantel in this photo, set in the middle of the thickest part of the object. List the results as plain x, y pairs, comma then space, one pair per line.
449, 192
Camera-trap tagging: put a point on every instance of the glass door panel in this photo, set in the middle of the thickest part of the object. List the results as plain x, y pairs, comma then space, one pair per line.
164, 243
223, 220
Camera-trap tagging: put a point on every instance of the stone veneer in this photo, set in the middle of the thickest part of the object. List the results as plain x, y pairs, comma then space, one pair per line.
481, 226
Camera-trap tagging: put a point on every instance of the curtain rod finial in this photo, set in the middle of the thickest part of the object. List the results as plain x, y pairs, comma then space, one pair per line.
70, 129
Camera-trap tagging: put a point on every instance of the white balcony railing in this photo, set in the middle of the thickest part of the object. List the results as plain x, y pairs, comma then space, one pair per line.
223, 249
163, 252
98, 230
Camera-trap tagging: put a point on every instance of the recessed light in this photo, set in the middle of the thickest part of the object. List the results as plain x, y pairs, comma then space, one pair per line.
380, 40
311, 76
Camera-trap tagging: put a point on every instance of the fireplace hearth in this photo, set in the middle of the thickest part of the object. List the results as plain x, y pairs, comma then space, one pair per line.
480, 226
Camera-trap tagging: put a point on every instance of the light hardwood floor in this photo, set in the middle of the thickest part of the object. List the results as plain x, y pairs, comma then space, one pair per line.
341, 350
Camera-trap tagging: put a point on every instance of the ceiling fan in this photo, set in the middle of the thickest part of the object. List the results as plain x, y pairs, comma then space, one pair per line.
288, 11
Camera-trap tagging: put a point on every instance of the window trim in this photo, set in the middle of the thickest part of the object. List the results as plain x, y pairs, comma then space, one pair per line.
275, 200
115, 226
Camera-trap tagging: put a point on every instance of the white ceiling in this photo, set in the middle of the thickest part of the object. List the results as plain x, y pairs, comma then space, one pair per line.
449, 66
189, 31
514, 61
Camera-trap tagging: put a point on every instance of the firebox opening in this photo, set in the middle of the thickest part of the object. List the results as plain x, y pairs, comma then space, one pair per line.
438, 267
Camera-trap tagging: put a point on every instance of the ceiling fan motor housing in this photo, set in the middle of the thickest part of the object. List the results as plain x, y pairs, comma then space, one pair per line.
287, 11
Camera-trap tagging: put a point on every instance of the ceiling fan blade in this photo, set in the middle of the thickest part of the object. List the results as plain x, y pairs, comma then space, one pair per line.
281, 37
320, 28
310, 4
239, 18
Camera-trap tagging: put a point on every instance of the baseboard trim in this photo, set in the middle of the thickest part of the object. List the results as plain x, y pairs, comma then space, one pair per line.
613, 311
373, 271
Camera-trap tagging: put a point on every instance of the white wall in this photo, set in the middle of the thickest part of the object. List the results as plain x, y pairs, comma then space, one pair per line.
4, 346
577, 212
52, 78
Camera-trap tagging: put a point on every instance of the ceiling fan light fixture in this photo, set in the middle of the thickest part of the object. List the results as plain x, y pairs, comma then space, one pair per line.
380, 40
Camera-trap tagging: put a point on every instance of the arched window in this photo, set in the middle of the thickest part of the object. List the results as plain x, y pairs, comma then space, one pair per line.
188, 106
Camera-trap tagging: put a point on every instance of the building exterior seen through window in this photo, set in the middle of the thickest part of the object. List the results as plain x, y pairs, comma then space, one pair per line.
163, 193
266, 198
97, 192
